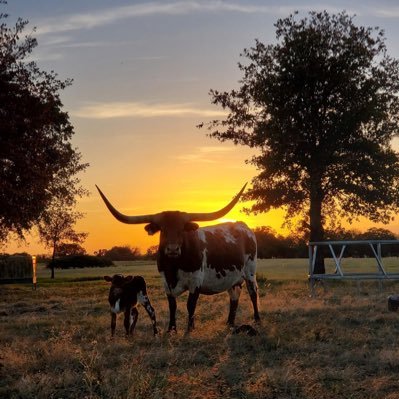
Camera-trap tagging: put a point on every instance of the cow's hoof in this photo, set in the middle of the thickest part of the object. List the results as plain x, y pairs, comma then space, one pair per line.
172, 330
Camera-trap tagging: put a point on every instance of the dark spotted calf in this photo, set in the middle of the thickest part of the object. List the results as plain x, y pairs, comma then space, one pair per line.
124, 295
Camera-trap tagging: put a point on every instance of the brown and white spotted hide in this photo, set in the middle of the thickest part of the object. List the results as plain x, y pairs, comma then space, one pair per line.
208, 261
125, 293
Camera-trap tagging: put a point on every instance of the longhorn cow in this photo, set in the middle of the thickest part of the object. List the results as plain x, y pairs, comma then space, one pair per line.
206, 260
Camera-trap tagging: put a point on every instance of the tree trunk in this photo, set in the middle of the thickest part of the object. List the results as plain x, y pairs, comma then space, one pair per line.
316, 227
52, 262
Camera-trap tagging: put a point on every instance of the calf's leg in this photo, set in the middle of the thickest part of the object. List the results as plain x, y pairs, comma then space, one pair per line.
134, 314
145, 301
130, 320
113, 323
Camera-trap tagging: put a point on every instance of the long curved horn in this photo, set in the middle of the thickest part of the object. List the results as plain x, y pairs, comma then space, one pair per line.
204, 217
123, 218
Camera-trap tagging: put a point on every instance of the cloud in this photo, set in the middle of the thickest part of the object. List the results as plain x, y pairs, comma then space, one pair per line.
146, 9
142, 110
205, 154
114, 14
108, 16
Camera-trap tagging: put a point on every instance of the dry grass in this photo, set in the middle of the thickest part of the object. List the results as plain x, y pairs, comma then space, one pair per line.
55, 343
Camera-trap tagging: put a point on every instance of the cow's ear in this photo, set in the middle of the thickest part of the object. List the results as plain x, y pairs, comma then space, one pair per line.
190, 226
108, 278
152, 228
128, 278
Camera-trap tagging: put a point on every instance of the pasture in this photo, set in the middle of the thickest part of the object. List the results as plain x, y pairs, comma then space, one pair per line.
55, 341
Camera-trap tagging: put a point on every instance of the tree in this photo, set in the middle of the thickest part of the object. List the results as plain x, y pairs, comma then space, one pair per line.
152, 252
37, 160
70, 249
57, 228
124, 252
377, 233
321, 107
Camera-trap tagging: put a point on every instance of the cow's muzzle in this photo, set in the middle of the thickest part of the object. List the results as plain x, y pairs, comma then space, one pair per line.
173, 250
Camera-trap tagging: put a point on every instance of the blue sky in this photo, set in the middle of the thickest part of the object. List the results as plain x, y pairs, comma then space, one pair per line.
142, 72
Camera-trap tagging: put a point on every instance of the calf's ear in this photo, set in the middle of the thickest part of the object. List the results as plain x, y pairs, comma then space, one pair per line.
108, 278
190, 226
152, 228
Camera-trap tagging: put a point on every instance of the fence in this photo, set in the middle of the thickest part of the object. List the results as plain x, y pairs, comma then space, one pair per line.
18, 269
337, 250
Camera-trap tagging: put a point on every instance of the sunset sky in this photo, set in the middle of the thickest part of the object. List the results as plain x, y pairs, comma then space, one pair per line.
142, 72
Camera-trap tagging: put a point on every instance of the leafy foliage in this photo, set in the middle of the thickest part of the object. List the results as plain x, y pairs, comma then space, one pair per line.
120, 253
57, 229
321, 106
37, 160
69, 249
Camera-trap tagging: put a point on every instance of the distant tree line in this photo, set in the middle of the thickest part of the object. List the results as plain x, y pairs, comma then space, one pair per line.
126, 252
270, 245
295, 245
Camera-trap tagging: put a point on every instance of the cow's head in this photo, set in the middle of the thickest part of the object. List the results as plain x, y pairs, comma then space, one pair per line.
171, 224
116, 291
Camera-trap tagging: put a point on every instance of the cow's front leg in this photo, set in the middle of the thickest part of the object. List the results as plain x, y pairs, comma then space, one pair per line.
172, 313
113, 323
191, 305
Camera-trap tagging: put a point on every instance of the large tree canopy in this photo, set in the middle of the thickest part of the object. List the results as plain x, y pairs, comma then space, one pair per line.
37, 160
321, 106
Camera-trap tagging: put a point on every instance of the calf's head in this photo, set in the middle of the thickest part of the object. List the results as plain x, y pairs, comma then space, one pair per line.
115, 296
172, 225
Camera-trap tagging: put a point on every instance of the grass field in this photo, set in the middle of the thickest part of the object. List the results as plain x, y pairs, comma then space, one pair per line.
55, 341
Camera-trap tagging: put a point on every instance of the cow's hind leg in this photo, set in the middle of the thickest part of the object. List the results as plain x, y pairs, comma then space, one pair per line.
234, 293
191, 305
252, 287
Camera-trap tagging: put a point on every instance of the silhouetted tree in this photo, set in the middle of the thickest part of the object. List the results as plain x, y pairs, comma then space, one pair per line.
57, 227
269, 243
69, 249
124, 252
152, 252
321, 107
100, 252
377, 233
273, 245
37, 160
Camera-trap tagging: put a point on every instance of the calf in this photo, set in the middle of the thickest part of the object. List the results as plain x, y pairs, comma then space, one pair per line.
124, 295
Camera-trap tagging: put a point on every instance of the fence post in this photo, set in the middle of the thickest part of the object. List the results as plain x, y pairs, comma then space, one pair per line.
34, 276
